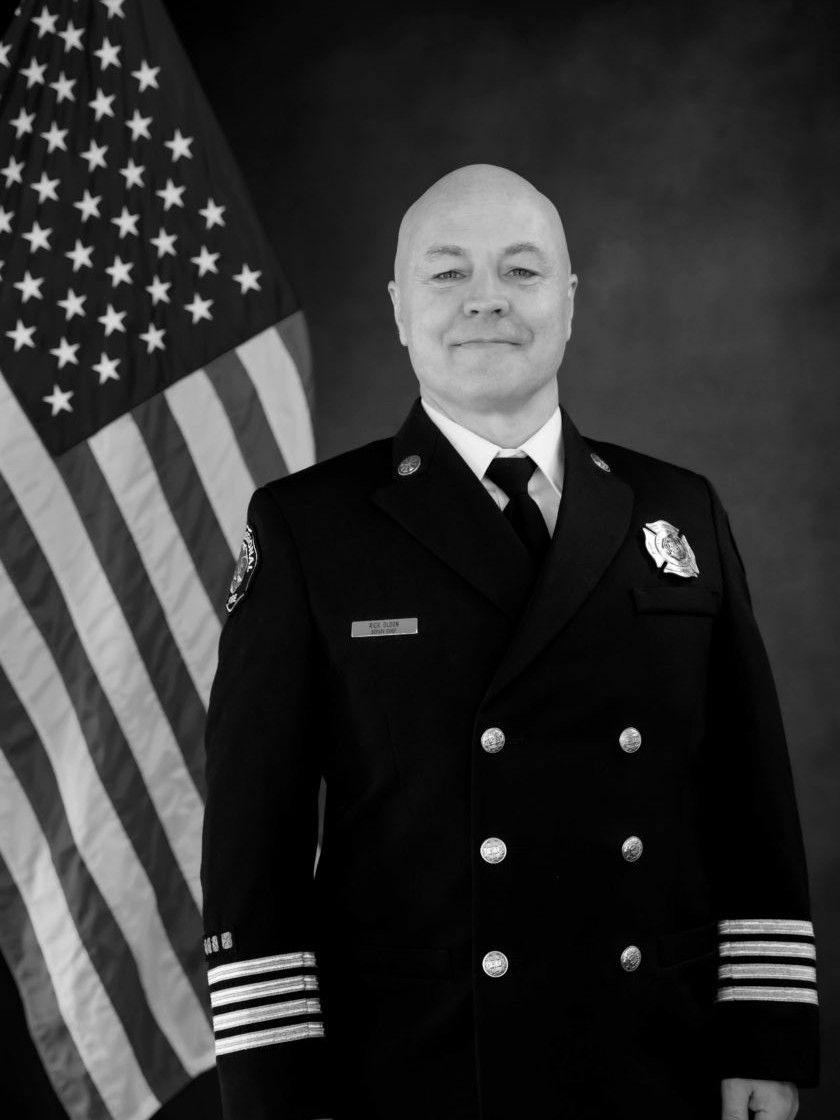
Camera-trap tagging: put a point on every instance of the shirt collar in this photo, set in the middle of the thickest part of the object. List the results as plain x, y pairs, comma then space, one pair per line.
545, 446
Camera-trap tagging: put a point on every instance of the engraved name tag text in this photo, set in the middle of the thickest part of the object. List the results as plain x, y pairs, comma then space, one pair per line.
383, 627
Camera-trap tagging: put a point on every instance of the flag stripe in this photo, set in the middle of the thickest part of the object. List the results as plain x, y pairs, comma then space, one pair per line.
278, 385
130, 474
108, 643
105, 882
54, 1042
130, 594
184, 492
109, 751
253, 432
295, 338
212, 443
83, 1001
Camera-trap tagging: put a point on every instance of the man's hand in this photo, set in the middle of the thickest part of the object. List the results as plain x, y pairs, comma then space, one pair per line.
769, 1100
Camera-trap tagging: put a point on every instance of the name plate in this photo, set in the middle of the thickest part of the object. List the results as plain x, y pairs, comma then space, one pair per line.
383, 627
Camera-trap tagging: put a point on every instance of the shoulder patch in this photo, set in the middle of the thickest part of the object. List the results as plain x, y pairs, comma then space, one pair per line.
243, 573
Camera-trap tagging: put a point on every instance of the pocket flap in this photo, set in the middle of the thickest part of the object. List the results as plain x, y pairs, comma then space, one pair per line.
676, 600
687, 944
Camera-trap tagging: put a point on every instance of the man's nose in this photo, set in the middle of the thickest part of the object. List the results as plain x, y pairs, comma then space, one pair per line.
485, 301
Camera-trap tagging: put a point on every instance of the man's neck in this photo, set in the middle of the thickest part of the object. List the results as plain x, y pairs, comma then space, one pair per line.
504, 428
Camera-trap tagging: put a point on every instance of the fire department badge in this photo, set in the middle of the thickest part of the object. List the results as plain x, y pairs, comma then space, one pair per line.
243, 573
669, 549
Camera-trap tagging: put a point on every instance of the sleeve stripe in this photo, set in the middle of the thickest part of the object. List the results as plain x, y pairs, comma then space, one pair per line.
268, 1037
767, 972
766, 926
241, 992
260, 964
266, 1011
767, 949
776, 995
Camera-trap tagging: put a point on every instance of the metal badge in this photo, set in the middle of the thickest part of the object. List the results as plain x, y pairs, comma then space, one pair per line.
243, 573
383, 627
599, 462
409, 465
669, 549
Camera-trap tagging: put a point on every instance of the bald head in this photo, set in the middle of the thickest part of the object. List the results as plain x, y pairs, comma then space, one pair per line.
478, 186
483, 295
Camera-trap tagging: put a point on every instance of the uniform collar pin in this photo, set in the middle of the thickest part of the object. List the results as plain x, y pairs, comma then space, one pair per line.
409, 465
599, 462
669, 549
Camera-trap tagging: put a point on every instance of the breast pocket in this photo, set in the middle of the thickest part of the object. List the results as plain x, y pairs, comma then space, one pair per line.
677, 600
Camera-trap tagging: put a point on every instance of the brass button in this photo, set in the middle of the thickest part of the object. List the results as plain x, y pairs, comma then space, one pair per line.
493, 739
630, 740
631, 958
632, 848
493, 850
495, 964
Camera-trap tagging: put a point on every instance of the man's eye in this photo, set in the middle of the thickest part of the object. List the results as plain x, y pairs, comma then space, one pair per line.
450, 274
522, 272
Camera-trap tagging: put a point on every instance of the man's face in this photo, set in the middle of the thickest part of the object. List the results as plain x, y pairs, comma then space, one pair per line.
483, 298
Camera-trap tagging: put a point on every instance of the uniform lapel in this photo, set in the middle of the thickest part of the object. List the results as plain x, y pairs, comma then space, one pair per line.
594, 515
446, 508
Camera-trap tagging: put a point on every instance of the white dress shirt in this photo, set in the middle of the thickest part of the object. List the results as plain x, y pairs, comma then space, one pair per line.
545, 447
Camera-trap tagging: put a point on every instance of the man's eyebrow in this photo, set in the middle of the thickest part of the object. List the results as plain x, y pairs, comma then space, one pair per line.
444, 251
524, 247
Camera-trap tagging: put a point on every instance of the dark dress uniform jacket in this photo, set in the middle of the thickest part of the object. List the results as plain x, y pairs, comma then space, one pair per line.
611, 727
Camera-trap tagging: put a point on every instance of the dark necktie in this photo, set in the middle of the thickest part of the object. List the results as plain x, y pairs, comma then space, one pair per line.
512, 476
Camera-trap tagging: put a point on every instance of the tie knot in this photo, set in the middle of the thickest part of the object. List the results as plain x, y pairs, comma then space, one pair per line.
511, 474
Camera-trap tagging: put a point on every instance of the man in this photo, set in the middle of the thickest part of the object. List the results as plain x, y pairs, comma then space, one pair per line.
562, 874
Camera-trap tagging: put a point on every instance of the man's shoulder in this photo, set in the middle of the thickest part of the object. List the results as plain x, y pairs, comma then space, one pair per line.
642, 471
337, 479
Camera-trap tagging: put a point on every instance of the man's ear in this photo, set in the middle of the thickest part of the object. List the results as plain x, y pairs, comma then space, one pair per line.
570, 296
394, 293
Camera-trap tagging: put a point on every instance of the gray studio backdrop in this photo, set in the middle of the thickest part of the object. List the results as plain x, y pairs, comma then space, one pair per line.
693, 152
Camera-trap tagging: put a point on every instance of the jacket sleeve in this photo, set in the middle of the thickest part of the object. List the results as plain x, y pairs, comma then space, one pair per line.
260, 835
766, 1009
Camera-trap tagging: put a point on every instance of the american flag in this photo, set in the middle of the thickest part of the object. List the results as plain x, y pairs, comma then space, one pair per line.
153, 371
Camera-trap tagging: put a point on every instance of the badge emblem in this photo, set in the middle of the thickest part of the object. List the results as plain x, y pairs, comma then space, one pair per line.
409, 465
599, 462
243, 573
669, 549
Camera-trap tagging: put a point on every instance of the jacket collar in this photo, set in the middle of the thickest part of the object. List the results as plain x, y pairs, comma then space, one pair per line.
436, 497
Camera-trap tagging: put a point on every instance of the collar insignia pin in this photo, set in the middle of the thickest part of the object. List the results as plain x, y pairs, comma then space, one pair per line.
669, 549
409, 465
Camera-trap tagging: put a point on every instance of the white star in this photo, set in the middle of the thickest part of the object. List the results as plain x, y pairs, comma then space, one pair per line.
89, 206
212, 214
112, 320
54, 137
248, 280
4, 53
6, 220
72, 304
114, 9
153, 338
59, 400
63, 88
22, 123
45, 22
164, 243
21, 336
139, 126
205, 261
38, 238
107, 368
45, 188
120, 272
72, 37
34, 73
126, 222
108, 54
158, 290
133, 173
95, 155
30, 286
101, 104
12, 171
146, 75
180, 145
66, 352
80, 255
199, 308
171, 195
